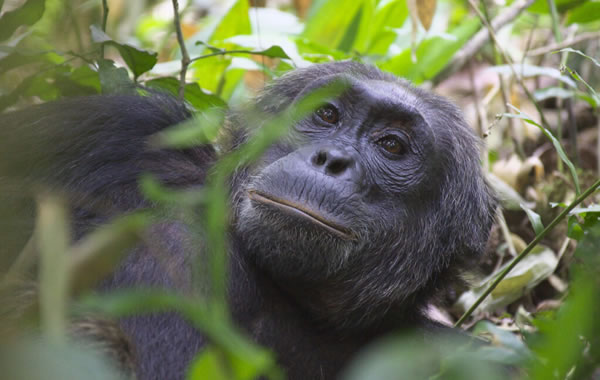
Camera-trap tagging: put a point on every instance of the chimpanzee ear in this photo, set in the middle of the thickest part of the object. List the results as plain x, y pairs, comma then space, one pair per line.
467, 202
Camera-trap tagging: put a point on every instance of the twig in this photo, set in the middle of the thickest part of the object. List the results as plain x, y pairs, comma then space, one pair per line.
258, 34
598, 148
104, 21
566, 43
506, 233
479, 111
528, 249
559, 102
185, 58
510, 62
504, 92
481, 38
223, 52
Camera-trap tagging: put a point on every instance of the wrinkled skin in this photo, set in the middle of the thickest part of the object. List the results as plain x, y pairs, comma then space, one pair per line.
340, 233
390, 227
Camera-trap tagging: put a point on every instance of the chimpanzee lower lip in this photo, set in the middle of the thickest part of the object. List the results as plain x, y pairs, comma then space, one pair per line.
302, 211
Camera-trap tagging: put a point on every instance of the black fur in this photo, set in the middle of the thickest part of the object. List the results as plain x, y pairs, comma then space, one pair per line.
401, 227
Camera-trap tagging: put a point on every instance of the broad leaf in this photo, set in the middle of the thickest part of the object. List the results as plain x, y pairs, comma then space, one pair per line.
28, 14
194, 95
340, 24
138, 60
587, 12
432, 54
534, 218
234, 22
534, 268
388, 15
113, 79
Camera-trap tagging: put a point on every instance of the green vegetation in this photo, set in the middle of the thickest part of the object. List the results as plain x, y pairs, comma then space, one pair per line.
532, 63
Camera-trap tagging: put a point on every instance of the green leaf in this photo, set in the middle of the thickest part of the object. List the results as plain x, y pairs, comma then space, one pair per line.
594, 102
209, 364
561, 345
559, 149
553, 92
216, 74
340, 24
351, 32
273, 52
211, 319
28, 14
113, 79
514, 350
509, 198
194, 95
315, 52
533, 269
582, 210
85, 77
541, 6
64, 360
388, 14
235, 21
202, 129
574, 229
13, 96
218, 364
154, 191
578, 78
444, 356
571, 50
53, 239
139, 61
534, 218
526, 70
42, 86
17, 58
433, 54
97, 254
213, 49
588, 12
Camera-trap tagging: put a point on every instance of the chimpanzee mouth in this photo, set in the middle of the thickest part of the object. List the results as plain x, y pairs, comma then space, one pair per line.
301, 211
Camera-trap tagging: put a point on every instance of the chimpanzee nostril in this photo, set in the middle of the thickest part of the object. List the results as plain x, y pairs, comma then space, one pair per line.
338, 165
334, 161
320, 158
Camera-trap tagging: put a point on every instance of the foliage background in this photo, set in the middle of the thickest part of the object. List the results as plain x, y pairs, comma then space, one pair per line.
525, 73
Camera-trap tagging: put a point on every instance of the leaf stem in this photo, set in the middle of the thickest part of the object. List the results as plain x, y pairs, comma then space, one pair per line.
185, 58
104, 22
223, 52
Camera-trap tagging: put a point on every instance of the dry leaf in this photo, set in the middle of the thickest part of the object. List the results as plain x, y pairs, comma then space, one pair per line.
426, 10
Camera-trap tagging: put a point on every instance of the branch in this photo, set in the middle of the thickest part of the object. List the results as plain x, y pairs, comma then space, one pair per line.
481, 38
564, 44
508, 60
225, 52
185, 58
104, 21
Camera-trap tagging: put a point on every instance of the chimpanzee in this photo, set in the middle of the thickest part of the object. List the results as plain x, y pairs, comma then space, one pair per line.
341, 232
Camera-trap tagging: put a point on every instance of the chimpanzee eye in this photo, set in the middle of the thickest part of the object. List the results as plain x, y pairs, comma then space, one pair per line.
328, 114
392, 144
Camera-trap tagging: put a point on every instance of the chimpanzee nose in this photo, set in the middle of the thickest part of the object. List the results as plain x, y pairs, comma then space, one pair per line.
333, 161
